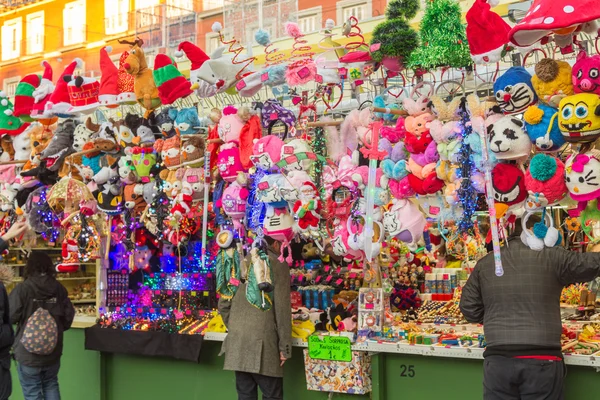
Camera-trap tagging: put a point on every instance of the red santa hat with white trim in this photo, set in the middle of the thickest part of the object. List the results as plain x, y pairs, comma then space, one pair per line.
108, 83
59, 102
194, 53
487, 32
43, 93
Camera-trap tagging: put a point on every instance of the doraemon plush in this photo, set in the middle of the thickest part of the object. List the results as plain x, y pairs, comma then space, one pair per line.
514, 91
186, 120
508, 140
541, 124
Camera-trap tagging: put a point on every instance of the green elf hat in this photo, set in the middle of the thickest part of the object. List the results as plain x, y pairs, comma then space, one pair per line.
24, 99
9, 124
171, 84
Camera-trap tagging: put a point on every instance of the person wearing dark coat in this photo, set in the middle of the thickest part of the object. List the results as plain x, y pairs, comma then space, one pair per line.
38, 373
259, 342
6, 329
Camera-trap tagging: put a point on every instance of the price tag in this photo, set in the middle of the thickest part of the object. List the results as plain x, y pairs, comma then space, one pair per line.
234, 282
339, 282
332, 348
193, 293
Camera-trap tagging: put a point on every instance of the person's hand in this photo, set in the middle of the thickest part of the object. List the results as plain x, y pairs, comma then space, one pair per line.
15, 230
282, 359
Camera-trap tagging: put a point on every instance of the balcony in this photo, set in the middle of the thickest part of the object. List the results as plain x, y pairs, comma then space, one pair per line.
163, 27
6, 5
74, 35
119, 24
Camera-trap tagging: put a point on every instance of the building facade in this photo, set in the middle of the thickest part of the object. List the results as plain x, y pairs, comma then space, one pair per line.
60, 30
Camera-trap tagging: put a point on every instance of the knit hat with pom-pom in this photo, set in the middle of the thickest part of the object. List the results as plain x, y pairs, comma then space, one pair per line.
487, 32
24, 96
9, 124
171, 84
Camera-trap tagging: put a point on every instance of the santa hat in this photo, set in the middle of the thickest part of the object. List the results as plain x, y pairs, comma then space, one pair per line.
83, 95
171, 84
487, 33
309, 184
43, 93
24, 96
108, 84
59, 102
125, 82
9, 124
195, 54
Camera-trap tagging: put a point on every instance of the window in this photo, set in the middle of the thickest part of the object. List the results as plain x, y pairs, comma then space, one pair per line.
10, 86
310, 19
74, 23
177, 8
360, 9
35, 32
11, 38
116, 14
146, 15
212, 4
212, 42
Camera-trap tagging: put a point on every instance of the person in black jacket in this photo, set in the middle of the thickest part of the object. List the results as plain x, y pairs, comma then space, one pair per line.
38, 374
520, 312
6, 330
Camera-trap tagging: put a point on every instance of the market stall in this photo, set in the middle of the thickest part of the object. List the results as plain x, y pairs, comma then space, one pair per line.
386, 170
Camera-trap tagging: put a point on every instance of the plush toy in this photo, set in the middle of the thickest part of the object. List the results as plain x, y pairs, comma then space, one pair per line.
186, 120
8, 151
171, 84
579, 118
508, 181
22, 145
135, 64
289, 153
192, 152
266, 152
165, 122
307, 209
197, 57
545, 181
396, 133
229, 163
81, 136
133, 199
109, 192
171, 183
269, 190
193, 180
233, 203
340, 245
552, 81
126, 170
417, 133
9, 124
541, 124
404, 221
582, 179
514, 91
145, 134
508, 140
586, 74
169, 150
278, 225
144, 159
230, 125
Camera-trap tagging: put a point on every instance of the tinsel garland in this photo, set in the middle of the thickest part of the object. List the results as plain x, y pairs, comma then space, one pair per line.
443, 37
467, 194
319, 148
255, 210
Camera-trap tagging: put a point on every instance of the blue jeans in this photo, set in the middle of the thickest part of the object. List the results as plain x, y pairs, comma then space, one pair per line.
39, 383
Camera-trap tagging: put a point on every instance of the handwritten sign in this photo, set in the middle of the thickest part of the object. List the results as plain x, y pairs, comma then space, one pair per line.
332, 348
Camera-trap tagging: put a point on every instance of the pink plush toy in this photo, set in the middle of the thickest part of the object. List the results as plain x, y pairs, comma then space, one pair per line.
400, 188
394, 134
233, 202
342, 176
586, 74
230, 125
228, 162
278, 225
404, 221
418, 136
339, 242
545, 181
266, 152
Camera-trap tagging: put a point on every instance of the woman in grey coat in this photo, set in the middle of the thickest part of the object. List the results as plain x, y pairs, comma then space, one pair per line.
259, 342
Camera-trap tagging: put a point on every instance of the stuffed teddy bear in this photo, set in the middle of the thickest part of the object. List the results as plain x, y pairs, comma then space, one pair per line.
552, 81
514, 91
586, 77
544, 181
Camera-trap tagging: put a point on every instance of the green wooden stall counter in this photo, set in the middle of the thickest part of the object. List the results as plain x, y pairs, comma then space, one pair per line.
89, 375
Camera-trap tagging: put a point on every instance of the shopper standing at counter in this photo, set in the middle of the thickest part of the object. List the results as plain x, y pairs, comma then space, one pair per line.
259, 342
6, 330
520, 312
38, 361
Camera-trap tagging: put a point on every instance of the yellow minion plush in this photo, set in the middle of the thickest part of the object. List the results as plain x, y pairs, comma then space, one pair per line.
552, 81
579, 118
